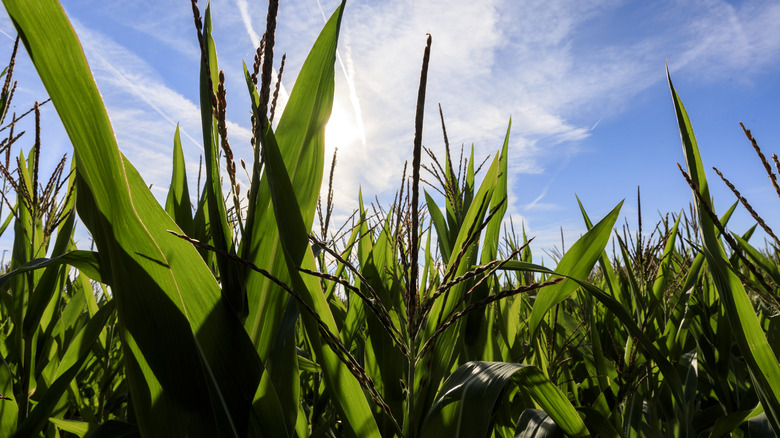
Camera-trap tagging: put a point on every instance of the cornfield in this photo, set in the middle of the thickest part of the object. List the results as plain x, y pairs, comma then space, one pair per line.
237, 317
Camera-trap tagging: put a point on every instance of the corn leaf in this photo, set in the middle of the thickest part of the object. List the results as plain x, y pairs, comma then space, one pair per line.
442, 232
87, 262
576, 263
177, 204
220, 229
604, 262
344, 387
745, 328
468, 398
440, 361
300, 139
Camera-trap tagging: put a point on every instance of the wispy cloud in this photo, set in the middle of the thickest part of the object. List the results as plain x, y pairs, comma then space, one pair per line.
558, 69
144, 110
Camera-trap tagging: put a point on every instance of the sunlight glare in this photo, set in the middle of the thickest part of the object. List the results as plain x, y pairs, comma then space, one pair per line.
341, 131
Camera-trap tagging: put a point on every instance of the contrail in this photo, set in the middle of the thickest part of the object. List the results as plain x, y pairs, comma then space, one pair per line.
538, 198
243, 8
349, 75
143, 96
554, 176
6, 34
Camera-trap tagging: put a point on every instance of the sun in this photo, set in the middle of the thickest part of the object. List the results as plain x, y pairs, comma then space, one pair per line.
341, 131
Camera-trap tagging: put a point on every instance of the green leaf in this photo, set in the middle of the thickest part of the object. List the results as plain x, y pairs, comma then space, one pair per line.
604, 262
177, 205
78, 428
745, 328
300, 137
493, 228
662, 277
294, 239
440, 360
9, 409
477, 330
87, 262
442, 233
469, 397
535, 423
220, 229
576, 263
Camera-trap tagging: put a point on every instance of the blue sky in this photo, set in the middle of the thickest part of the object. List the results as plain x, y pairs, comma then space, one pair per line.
584, 84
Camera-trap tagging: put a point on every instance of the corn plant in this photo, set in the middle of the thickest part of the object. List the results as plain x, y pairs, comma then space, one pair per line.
236, 320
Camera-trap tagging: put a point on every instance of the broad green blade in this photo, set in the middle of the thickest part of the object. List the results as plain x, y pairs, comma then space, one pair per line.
745, 328
383, 360
191, 368
7, 222
619, 311
177, 205
576, 263
300, 137
478, 328
763, 262
468, 192
9, 409
47, 285
343, 386
725, 425
356, 313
87, 262
662, 278
598, 423
604, 262
493, 229
675, 334
78, 428
470, 396
220, 229
442, 232
650, 350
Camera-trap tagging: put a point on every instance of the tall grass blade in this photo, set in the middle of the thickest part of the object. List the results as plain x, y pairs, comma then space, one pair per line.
177, 204
604, 262
467, 400
300, 137
220, 229
479, 325
442, 232
439, 363
344, 388
576, 263
746, 330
